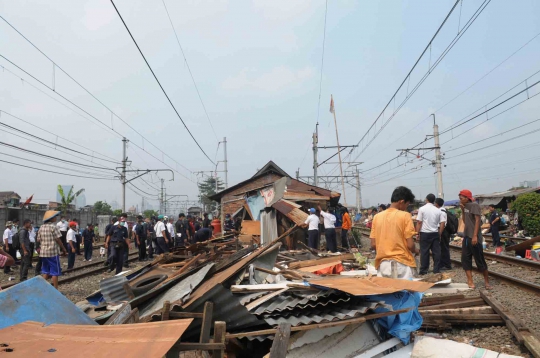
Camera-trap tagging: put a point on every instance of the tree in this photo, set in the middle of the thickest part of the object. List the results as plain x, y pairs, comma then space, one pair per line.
528, 209
150, 213
117, 212
208, 188
69, 198
102, 208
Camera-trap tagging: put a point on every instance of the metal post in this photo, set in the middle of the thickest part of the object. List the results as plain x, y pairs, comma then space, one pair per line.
161, 198
297, 173
339, 155
438, 158
358, 191
123, 177
315, 164
225, 160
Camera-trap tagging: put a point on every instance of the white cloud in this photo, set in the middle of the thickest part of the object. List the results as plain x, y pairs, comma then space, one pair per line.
278, 78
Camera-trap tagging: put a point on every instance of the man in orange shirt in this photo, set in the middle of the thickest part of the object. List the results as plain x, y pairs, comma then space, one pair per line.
392, 236
345, 227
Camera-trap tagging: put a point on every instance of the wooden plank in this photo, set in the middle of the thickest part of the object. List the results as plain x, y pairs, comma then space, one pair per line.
259, 301
525, 245
532, 343
503, 311
323, 260
467, 310
199, 346
206, 322
220, 329
515, 332
173, 314
174, 264
281, 341
251, 227
270, 272
166, 311
427, 301
120, 315
459, 304
307, 327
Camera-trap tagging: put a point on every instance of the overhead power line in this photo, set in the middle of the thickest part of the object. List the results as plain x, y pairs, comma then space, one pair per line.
189, 70
55, 65
159, 83
381, 116
54, 172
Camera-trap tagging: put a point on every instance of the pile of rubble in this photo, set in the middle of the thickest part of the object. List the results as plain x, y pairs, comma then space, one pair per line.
225, 299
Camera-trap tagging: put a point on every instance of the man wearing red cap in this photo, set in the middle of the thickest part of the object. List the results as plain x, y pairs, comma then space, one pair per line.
472, 238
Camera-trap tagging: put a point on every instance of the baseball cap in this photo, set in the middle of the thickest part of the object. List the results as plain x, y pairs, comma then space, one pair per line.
160, 217
72, 223
312, 210
467, 193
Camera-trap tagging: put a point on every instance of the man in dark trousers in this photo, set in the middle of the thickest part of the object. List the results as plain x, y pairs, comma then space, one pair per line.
429, 226
117, 241
494, 221
107, 229
472, 239
140, 238
88, 236
206, 221
445, 263
26, 259
182, 228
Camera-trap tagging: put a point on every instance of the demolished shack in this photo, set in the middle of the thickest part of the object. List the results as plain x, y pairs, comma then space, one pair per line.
271, 202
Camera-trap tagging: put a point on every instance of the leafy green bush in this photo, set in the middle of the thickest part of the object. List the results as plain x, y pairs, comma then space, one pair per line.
528, 209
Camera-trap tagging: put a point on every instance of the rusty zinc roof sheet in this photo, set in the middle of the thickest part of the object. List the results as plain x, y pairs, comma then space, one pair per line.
370, 285
145, 340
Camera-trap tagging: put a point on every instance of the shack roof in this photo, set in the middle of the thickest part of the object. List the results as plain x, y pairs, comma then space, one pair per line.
495, 198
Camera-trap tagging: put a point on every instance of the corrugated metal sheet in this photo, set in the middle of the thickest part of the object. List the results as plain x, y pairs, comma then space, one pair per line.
36, 300
268, 226
112, 289
31, 339
245, 299
177, 292
318, 316
289, 302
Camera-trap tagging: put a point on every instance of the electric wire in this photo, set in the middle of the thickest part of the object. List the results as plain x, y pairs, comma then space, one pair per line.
189, 69
54, 172
159, 83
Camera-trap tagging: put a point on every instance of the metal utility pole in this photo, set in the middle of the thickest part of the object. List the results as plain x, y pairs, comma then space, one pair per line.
225, 161
358, 191
315, 148
438, 158
123, 175
333, 110
161, 198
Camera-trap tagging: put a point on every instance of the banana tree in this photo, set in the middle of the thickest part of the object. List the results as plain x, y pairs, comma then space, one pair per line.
69, 198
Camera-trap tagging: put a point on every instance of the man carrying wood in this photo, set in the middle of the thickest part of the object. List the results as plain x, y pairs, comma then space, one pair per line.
472, 238
392, 236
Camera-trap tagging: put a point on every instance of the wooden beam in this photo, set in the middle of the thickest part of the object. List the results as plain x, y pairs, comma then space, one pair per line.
206, 322
307, 327
220, 328
259, 301
458, 304
429, 301
173, 314
324, 260
467, 318
281, 341
199, 346
467, 311
532, 344
166, 311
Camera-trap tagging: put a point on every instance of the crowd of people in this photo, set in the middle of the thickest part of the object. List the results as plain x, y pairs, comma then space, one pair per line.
60, 237
393, 235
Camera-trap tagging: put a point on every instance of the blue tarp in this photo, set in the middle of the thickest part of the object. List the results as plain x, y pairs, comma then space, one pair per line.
36, 300
401, 325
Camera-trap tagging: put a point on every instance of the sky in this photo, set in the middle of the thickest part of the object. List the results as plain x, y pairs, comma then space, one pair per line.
264, 82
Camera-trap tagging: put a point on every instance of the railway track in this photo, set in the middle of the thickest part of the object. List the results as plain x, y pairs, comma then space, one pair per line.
99, 267
526, 285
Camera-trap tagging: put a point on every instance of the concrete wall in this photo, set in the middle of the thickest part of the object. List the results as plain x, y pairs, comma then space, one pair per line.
9, 214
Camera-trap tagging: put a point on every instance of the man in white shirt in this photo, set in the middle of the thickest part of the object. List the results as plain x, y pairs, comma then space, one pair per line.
329, 230
32, 237
429, 226
72, 244
170, 229
8, 247
312, 223
62, 225
162, 243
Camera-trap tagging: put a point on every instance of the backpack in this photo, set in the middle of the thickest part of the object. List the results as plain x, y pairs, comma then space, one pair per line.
502, 221
16, 241
452, 223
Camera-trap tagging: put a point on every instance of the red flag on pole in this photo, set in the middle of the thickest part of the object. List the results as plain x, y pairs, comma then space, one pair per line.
331, 104
28, 201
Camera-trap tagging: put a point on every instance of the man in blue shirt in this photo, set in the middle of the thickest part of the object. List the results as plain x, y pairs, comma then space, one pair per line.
117, 237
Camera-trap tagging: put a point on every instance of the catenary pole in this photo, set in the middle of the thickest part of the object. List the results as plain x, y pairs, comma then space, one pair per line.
438, 159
